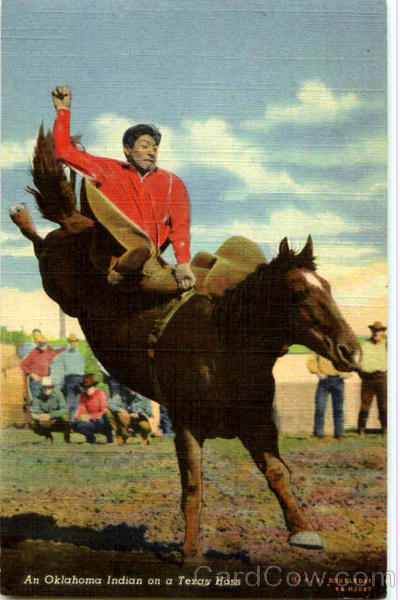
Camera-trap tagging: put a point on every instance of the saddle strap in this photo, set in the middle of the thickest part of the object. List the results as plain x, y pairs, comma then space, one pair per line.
158, 329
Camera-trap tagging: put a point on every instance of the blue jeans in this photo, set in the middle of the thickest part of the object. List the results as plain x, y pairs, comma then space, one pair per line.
71, 389
165, 423
90, 428
330, 385
113, 385
35, 387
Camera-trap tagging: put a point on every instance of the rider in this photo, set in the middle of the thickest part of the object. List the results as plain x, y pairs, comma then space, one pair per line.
152, 199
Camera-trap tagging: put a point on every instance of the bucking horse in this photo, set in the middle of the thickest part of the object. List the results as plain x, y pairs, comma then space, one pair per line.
210, 362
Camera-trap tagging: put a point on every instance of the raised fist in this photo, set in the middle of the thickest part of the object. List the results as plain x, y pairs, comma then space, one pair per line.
61, 97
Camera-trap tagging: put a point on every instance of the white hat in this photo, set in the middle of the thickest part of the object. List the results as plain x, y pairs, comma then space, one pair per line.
46, 382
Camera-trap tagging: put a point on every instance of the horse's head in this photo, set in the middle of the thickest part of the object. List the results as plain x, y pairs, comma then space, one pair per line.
314, 318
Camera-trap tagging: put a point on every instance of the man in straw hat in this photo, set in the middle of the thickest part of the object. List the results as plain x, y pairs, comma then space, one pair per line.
91, 417
49, 412
373, 374
70, 369
144, 207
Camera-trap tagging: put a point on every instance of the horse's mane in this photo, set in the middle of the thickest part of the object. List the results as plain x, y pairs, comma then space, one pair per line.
54, 195
234, 308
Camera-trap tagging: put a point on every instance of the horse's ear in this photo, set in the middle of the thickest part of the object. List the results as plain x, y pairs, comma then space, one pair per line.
284, 247
308, 251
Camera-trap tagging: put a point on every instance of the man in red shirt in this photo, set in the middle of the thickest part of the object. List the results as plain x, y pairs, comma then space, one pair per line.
36, 364
91, 415
136, 191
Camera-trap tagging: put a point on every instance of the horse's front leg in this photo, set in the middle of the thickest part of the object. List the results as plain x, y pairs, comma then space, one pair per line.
188, 450
263, 447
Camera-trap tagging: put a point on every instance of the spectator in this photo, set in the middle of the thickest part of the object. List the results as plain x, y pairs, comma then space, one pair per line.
128, 412
373, 374
49, 412
70, 367
165, 423
37, 363
91, 415
155, 420
330, 382
27, 347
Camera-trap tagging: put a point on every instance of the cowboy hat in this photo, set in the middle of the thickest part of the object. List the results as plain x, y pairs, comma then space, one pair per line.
72, 338
89, 380
377, 326
39, 337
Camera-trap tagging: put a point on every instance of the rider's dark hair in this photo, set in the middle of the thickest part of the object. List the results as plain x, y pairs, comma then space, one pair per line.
133, 133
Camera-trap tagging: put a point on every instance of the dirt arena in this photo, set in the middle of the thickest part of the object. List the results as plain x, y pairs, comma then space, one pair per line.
110, 515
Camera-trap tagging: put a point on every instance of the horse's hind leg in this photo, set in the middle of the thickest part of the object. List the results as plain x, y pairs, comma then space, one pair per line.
21, 216
188, 450
263, 448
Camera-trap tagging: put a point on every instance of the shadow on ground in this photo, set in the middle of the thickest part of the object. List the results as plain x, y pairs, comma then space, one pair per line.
120, 538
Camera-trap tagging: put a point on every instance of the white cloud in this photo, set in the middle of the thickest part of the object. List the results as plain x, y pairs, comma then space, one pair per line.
289, 222
9, 248
341, 252
212, 144
316, 104
28, 310
16, 153
109, 129
376, 189
367, 151
209, 143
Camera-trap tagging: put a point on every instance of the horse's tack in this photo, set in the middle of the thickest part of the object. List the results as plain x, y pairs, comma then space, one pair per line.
231, 264
158, 329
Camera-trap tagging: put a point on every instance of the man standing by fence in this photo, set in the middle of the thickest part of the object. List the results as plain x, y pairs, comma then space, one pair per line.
373, 374
71, 367
330, 382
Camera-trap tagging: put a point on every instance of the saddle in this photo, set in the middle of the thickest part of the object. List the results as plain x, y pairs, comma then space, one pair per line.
231, 264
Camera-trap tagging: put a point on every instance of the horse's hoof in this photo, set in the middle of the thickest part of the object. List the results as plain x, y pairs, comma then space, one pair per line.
191, 562
306, 539
17, 208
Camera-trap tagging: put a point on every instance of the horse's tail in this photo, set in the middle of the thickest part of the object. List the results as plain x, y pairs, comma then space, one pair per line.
54, 195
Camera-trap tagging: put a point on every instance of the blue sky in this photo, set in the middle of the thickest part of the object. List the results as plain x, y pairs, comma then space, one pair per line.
273, 113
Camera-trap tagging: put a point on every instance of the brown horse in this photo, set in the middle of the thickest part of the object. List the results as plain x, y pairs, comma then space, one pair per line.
214, 360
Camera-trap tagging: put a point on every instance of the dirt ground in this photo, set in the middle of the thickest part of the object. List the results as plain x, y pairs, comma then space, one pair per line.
110, 515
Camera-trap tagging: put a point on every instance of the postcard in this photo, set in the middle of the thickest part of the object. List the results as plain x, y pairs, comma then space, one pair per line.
194, 286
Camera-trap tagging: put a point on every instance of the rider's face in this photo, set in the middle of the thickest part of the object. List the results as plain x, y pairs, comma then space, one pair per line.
143, 154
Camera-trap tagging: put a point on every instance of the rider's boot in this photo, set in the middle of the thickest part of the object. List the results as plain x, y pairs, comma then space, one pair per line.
131, 261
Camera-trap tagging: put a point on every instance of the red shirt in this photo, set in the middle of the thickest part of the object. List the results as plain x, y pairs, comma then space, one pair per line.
38, 362
95, 405
158, 202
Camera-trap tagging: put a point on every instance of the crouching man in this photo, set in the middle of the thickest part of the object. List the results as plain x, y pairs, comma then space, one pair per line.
91, 417
49, 412
128, 413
